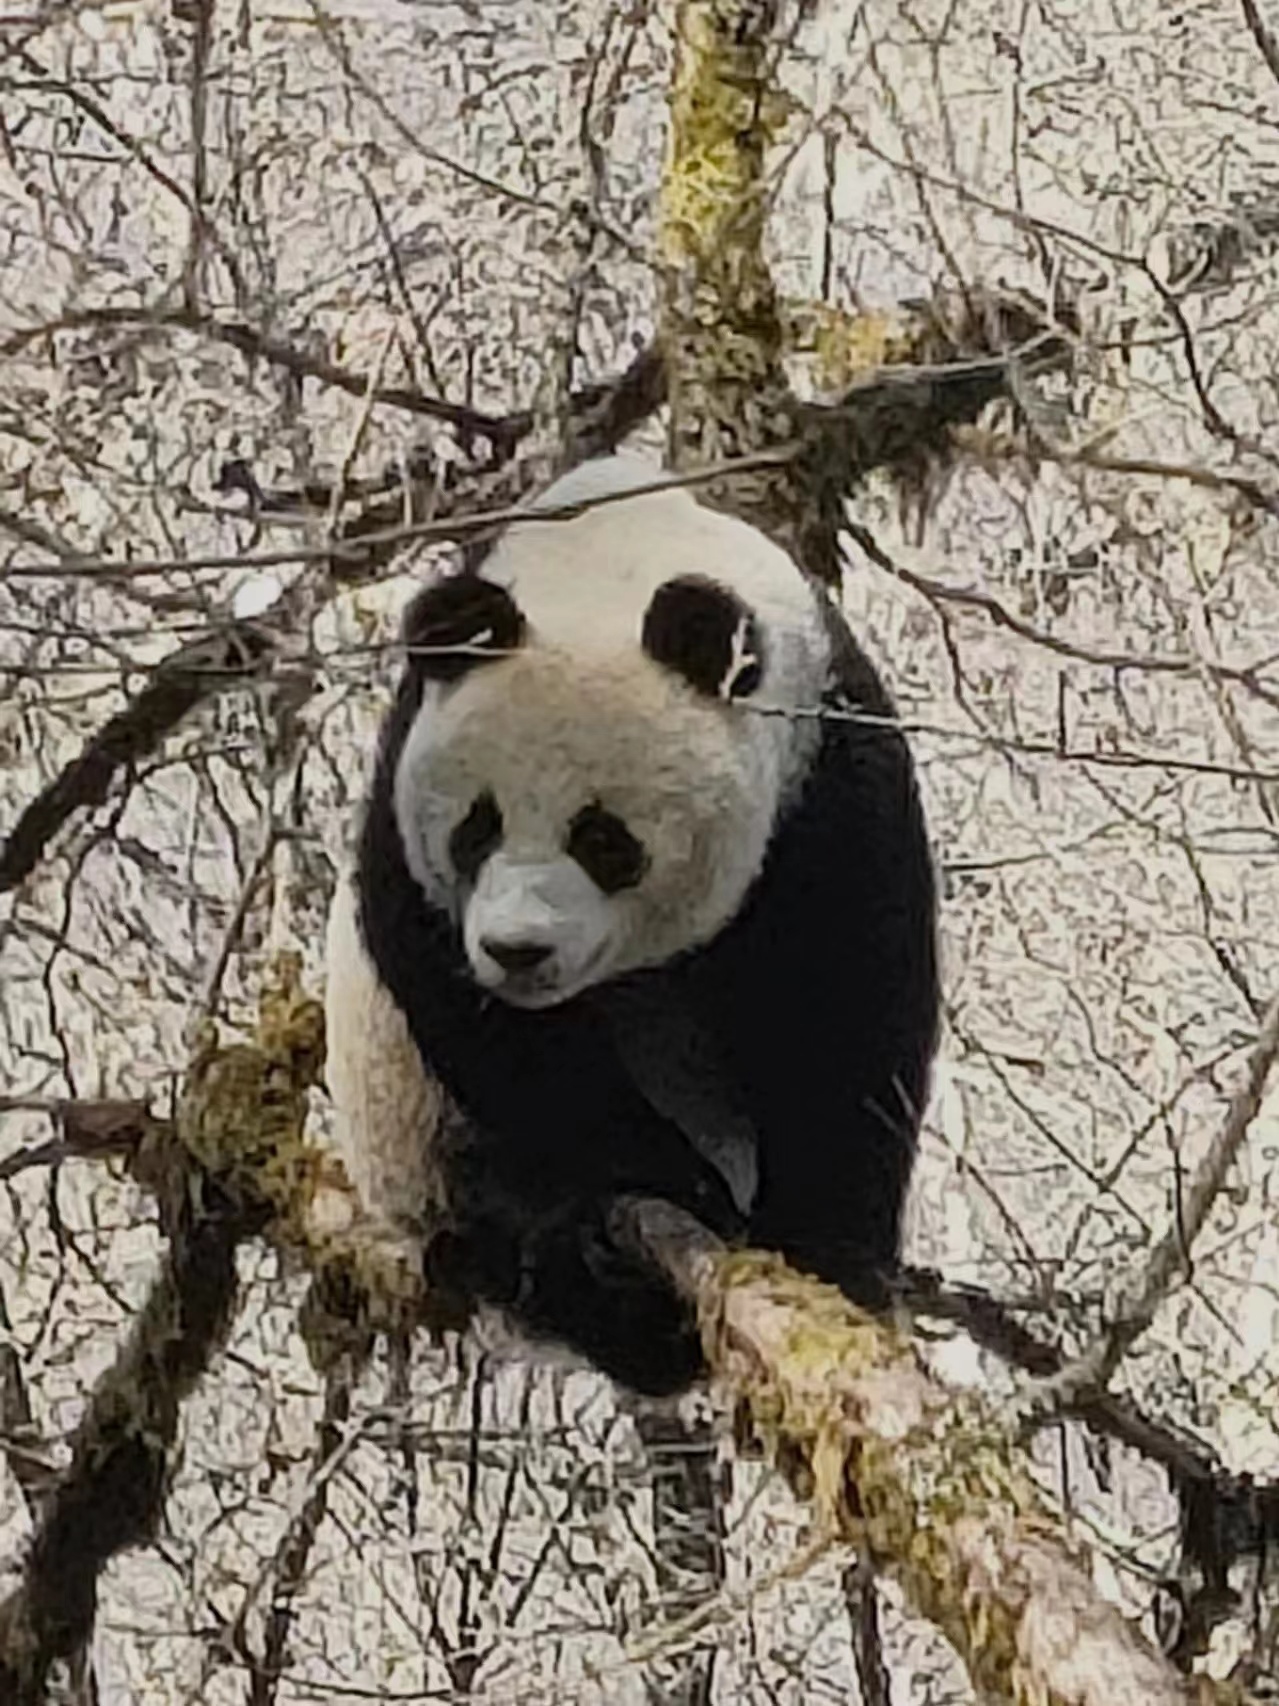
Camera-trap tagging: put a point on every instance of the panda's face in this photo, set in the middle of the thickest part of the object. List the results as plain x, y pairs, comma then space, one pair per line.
581, 816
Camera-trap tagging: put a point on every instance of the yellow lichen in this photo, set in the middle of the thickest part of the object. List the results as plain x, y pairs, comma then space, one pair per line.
846, 346
719, 326
243, 1110
920, 1480
242, 1116
724, 115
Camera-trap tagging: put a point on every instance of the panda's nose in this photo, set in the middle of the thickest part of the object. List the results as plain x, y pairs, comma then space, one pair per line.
515, 956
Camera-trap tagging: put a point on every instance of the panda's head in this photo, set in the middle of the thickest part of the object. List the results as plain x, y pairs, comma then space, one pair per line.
588, 785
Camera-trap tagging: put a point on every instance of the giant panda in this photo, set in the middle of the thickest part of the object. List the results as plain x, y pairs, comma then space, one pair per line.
643, 904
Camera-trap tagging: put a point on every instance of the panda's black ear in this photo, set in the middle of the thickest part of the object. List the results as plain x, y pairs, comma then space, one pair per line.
457, 623
704, 632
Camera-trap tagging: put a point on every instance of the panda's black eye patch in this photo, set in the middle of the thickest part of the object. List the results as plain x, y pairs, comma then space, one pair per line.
478, 835
606, 850
453, 624
705, 633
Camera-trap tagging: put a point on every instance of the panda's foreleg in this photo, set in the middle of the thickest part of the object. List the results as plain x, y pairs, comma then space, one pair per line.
561, 1274
388, 1111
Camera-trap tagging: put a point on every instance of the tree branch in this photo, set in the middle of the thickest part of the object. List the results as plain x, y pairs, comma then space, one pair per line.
236, 1163
254, 343
919, 1479
720, 323
112, 1494
1139, 1300
196, 671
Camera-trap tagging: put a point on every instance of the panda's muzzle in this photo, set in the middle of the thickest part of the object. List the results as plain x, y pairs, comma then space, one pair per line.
535, 931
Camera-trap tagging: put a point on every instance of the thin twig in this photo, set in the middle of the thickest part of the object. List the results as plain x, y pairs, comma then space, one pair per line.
334, 1442
251, 342
258, 866
201, 43
972, 598
1137, 1303
688, 1539
858, 1582
19, 1440
983, 443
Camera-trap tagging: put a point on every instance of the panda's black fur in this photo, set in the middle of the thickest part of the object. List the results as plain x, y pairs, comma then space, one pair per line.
809, 1021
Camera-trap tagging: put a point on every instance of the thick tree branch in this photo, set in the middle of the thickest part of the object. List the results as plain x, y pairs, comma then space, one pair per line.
725, 334
921, 1480
1224, 1516
720, 323
112, 1494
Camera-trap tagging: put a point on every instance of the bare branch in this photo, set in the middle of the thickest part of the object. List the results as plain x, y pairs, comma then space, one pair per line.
287, 1575
1263, 35
203, 667
237, 1163
1137, 1302
1247, 676
251, 343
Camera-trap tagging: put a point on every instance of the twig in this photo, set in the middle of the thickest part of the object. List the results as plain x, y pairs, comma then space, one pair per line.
983, 443
101, 118
201, 44
972, 598
32, 533
359, 430
858, 1582
332, 1446
688, 1539
1137, 1303
258, 867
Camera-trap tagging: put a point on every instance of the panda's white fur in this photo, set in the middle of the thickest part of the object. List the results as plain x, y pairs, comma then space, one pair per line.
580, 713
386, 1109
589, 583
